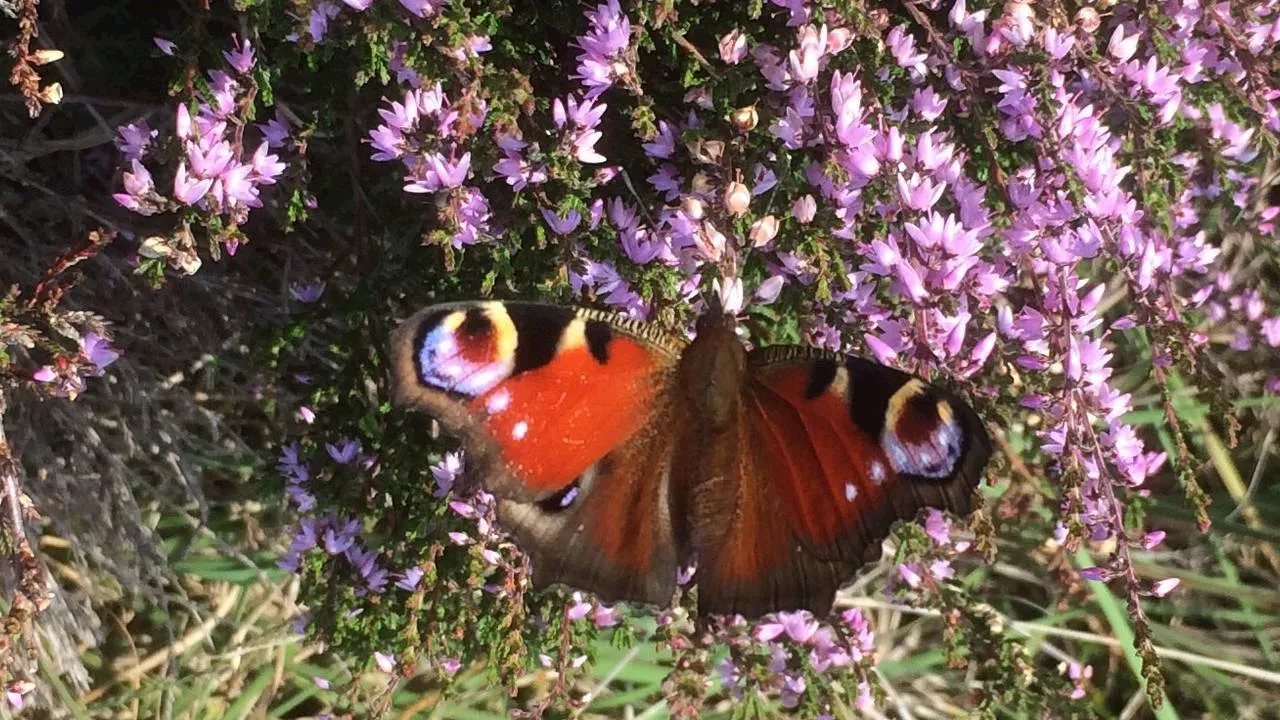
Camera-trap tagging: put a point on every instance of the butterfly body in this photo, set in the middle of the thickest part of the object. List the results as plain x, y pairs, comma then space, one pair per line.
619, 454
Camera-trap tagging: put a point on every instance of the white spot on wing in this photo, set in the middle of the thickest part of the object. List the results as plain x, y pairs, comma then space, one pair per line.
498, 402
850, 492
445, 368
519, 430
877, 472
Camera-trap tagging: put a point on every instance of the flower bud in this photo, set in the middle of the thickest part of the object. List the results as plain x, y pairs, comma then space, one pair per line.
1088, 20
745, 119
51, 94
733, 47
804, 209
763, 230
701, 184
736, 198
707, 152
710, 242
692, 207
44, 57
156, 246
700, 96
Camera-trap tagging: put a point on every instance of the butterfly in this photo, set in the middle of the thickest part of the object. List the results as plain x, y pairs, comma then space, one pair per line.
619, 454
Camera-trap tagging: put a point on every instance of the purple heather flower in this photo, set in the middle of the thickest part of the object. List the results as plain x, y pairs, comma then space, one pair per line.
910, 573
422, 8
386, 663
446, 473
864, 702
166, 46
769, 290
766, 632
97, 350
793, 687
664, 145
608, 37
798, 11
938, 527
140, 190
1122, 47
438, 173
344, 452
604, 616
562, 225
134, 140
318, 20
242, 57
799, 626
306, 414
733, 47
339, 538
307, 292
1164, 587
579, 609
805, 61
1152, 539
902, 46
1096, 574
804, 209
189, 190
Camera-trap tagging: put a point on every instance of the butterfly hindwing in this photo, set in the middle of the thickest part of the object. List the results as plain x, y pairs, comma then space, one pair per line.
611, 530
559, 411
835, 450
877, 445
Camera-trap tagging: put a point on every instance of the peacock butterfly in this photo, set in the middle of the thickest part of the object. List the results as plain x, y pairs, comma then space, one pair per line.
618, 453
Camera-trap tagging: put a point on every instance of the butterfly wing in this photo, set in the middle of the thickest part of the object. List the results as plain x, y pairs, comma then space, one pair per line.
559, 410
835, 450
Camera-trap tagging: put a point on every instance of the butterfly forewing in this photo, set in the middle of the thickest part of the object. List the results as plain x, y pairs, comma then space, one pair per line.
560, 413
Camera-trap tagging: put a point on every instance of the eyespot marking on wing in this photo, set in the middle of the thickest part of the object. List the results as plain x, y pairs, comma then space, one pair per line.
921, 435
469, 351
898, 402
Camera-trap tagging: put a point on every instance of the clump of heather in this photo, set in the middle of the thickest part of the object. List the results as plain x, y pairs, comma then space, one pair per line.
1031, 203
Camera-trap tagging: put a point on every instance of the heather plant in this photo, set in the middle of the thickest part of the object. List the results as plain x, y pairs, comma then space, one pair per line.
1063, 210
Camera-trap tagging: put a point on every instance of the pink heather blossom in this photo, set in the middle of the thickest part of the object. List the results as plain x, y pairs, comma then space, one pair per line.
733, 47
240, 58
602, 60
386, 663
422, 8
804, 209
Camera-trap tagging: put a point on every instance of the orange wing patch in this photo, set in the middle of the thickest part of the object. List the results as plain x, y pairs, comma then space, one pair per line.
828, 472
551, 423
